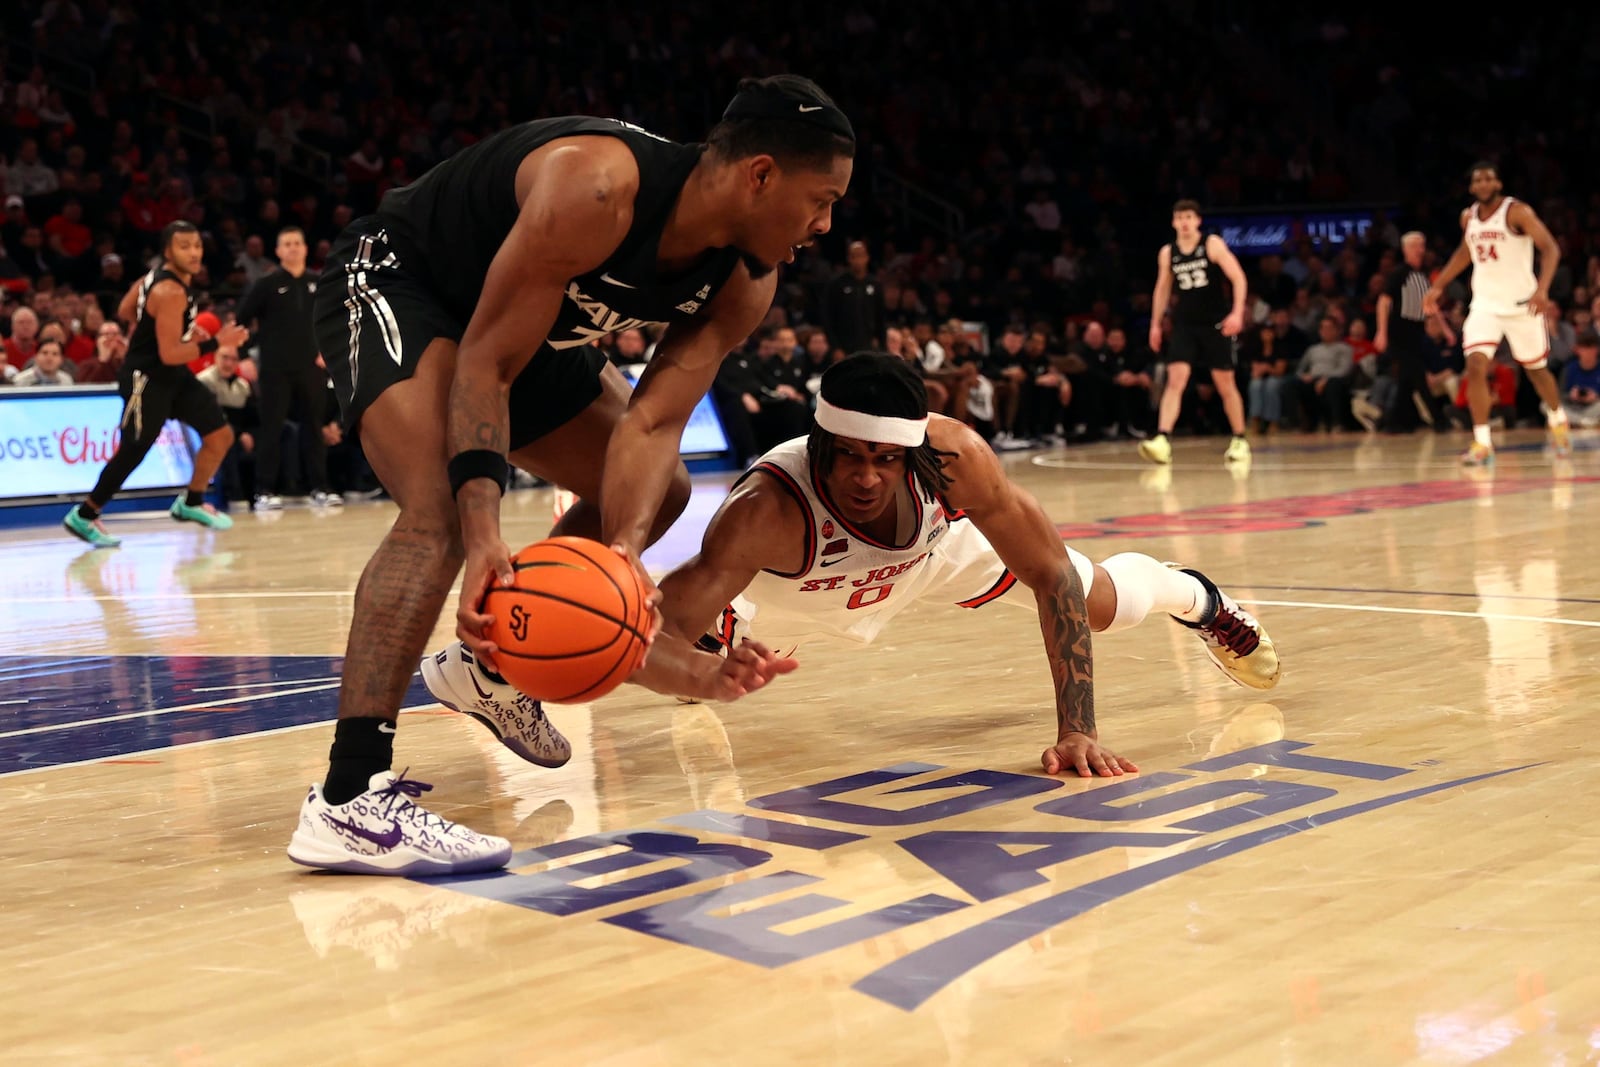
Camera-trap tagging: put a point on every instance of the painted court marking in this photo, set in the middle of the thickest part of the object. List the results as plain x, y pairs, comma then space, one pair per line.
54, 727
161, 750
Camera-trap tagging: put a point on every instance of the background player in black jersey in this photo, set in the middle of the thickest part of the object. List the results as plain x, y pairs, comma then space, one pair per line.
156, 385
455, 323
1203, 327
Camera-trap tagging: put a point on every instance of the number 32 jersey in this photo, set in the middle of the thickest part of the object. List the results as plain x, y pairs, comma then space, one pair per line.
850, 585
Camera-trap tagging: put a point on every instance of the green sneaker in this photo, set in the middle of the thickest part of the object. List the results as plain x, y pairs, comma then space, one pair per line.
87, 530
205, 515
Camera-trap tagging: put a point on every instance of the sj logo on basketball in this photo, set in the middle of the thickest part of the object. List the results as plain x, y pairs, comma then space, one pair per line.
1171, 822
519, 622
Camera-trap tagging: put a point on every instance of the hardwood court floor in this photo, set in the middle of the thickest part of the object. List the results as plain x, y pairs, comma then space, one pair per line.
1390, 858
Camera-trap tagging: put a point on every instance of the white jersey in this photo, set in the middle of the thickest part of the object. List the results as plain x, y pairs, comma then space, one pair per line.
1502, 262
850, 585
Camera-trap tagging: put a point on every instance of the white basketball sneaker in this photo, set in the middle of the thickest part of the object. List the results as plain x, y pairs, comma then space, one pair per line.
383, 832
461, 684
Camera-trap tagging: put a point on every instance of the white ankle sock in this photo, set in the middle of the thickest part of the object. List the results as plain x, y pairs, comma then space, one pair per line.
1480, 436
1144, 585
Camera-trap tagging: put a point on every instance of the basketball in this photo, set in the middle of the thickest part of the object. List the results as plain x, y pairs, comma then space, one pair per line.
574, 625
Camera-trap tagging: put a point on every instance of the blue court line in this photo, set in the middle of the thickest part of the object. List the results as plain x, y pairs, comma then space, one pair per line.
61, 692
23, 671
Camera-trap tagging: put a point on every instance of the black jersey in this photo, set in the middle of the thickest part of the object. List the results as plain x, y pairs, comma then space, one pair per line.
1199, 286
144, 350
448, 225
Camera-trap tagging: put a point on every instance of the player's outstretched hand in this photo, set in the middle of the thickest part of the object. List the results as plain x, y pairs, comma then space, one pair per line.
487, 563
1084, 756
652, 595
748, 667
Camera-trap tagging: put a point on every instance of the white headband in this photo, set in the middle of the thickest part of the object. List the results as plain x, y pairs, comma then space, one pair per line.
879, 429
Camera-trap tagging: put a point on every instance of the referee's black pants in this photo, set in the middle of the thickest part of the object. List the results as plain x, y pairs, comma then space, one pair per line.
1405, 354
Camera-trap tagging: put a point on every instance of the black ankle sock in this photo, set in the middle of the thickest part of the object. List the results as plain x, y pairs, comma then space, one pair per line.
194, 499
361, 748
88, 510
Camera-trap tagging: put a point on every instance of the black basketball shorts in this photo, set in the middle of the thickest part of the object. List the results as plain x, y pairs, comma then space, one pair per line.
374, 318
1200, 346
148, 401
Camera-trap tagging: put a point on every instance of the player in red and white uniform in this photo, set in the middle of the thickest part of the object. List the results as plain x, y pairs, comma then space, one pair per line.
1499, 236
835, 534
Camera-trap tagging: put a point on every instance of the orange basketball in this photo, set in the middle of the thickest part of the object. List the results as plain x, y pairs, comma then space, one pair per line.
574, 625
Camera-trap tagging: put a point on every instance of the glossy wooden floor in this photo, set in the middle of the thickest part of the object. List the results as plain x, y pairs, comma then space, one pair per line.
1398, 867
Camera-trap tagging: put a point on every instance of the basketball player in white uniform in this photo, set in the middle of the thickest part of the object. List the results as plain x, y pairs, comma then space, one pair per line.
833, 535
1499, 235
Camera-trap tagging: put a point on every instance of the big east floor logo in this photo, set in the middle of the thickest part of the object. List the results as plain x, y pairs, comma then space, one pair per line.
727, 917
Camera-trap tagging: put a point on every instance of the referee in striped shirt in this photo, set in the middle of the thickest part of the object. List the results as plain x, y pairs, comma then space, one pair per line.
1400, 334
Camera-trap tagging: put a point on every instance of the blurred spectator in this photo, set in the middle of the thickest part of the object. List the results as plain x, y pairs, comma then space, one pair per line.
69, 238
1580, 381
1269, 363
627, 348
852, 309
786, 366
47, 367
1004, 371
23, 343
86, 320
1094, 404
756, 415
110, 349
16, 220
254, 260
1045, 392
28, 176
1323, 380
1132, 385
139, 206
237, 399
1442, 366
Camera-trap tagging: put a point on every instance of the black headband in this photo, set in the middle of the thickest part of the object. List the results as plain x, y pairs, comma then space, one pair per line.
756, 104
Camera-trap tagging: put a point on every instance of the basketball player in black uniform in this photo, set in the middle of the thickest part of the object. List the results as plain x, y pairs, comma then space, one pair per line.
156, 385
456, 323
1203, 327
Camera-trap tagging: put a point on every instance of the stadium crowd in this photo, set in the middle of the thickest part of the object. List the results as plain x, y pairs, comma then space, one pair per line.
1012, 187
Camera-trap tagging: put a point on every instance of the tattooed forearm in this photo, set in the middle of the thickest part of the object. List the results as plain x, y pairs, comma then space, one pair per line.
488, 435
1064, 618
479, 418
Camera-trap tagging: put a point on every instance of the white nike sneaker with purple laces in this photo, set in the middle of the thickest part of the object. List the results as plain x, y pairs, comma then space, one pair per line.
383, 832
461, 684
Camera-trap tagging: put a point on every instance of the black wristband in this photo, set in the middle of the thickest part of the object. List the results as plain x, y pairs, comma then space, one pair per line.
208, 346
478, 463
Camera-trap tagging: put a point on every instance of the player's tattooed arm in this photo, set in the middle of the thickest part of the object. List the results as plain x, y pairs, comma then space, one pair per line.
1064, 615
1031, 548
